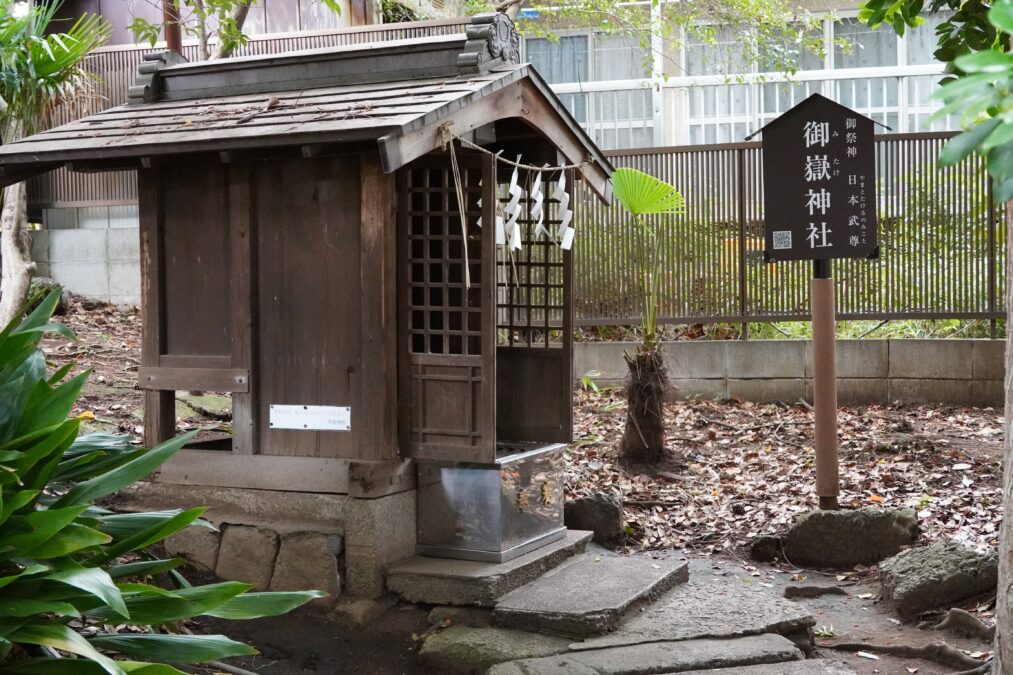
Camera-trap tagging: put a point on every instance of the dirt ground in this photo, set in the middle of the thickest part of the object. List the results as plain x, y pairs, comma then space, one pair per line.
737, 470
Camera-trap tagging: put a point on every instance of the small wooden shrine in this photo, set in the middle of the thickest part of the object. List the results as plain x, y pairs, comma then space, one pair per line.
303, 250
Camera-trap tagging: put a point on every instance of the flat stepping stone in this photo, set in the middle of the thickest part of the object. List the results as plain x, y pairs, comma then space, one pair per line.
590, 594
711, 607
442, 581
466, 650
811, 667
660, 657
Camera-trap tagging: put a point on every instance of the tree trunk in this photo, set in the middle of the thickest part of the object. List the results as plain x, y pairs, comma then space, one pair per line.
643, 439
239, 15
1003, 662
15, 253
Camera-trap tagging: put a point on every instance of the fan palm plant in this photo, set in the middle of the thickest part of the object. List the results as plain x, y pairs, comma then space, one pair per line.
641, 195
39, 70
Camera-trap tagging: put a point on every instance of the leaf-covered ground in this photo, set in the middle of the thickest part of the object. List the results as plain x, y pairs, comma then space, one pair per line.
738, 470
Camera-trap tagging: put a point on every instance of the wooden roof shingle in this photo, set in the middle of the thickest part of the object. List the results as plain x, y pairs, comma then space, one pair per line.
396, 94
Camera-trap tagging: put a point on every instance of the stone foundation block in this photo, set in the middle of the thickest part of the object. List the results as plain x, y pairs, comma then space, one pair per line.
309, 561
198, 544
377, 532
248, 554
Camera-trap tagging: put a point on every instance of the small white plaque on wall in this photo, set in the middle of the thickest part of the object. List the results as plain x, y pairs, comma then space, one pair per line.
311, 417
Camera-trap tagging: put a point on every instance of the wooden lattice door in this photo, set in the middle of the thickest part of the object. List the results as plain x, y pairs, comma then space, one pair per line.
447, 323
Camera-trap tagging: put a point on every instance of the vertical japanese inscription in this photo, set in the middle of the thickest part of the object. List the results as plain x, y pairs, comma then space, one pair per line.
819, 183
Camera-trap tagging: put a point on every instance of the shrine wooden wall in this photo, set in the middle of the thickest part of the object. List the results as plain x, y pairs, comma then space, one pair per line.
274, 280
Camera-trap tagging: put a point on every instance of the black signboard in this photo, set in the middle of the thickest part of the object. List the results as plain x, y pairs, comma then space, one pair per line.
819, 183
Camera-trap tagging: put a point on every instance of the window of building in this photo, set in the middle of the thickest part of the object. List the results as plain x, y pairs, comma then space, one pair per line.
560, 61
618, 57
863, 47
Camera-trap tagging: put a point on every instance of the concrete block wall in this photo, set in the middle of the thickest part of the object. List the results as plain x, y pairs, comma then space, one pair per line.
91, 251
959, 372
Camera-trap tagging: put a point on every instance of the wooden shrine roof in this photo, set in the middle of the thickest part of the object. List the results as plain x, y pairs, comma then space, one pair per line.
397, 94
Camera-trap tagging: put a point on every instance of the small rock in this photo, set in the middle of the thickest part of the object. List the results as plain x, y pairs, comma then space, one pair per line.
476, 617
460, 650
198, 543
309, 561
247, 554
842, 539
765, 549
358, 613
602, 513
812, 591
937, 575
43, 286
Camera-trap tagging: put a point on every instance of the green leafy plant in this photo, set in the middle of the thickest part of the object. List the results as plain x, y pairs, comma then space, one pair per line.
643, 195
974, 42
79, 590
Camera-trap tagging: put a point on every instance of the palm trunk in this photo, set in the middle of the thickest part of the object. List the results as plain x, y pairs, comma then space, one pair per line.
643, 439
16, 264
1003, 663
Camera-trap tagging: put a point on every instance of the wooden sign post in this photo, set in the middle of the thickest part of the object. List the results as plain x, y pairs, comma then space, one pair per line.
819, 173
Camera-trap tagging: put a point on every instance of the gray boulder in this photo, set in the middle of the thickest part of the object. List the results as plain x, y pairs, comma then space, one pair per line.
937, 575
842, 539
601, 513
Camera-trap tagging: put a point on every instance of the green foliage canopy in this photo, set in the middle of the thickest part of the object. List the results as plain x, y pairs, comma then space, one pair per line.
975, 44
40, 69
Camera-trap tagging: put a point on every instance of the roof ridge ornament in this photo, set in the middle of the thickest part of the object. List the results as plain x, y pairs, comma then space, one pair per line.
492, 41
146, 88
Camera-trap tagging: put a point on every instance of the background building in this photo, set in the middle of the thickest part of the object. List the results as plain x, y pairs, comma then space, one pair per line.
89, 238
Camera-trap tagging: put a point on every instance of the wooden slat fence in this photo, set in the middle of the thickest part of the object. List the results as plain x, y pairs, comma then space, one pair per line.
941, 242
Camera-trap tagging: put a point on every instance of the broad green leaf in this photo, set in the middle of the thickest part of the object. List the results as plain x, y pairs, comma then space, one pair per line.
153, 605
31, 607
94, 581
122, 525
48, 406
86, 443
167, 525
962, 145
174, 648
16, 502
988, 61
145, 568
82, 667
1002, 135
41, 526
27, 572
1001, 15
72, 538
124, 475
640, 193
66, 639
258, 605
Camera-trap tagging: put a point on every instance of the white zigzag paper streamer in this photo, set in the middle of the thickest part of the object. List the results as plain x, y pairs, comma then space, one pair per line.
536, 211
513, 211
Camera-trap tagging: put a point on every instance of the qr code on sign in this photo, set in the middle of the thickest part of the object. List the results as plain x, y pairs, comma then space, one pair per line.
782, 240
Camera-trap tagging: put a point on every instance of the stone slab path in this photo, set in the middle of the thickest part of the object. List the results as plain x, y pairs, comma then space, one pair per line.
813, 667
710, 607
441, 581
660, 657
590, 594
